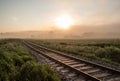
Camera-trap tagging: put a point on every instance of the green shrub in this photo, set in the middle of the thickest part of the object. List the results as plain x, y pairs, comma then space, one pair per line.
89, 55
114, 53
50, 74
102, 53
32, 71
7, 71
26, 58
5, 56
18, 61
110, 53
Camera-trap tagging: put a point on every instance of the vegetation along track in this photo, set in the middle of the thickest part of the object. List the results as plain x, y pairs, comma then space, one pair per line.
77, 69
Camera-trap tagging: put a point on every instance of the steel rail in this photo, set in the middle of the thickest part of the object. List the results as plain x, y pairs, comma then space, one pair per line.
87, 76
78, 59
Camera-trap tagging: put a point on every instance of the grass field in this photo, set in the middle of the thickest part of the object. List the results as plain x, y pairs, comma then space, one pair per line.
107, 50
16, 64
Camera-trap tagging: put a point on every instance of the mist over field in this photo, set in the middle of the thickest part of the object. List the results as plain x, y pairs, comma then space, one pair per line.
76, 32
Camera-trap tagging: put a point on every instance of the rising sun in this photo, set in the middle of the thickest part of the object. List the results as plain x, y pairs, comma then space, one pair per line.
64, 22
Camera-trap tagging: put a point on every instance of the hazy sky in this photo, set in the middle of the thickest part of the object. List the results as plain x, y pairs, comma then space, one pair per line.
19, 15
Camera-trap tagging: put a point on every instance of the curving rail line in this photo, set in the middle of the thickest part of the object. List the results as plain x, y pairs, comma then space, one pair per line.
77, 69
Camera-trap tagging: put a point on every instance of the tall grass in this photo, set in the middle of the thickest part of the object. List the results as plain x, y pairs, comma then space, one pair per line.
16, 64
107, 50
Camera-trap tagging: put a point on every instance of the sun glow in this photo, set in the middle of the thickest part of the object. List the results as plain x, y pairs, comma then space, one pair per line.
64, 22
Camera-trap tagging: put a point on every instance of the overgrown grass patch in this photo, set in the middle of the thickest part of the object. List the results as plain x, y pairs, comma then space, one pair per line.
16, 64
107, 50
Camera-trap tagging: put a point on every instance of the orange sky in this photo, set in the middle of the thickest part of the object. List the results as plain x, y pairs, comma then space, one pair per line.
23, 15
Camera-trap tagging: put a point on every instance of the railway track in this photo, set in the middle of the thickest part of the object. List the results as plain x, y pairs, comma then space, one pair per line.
75, 68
